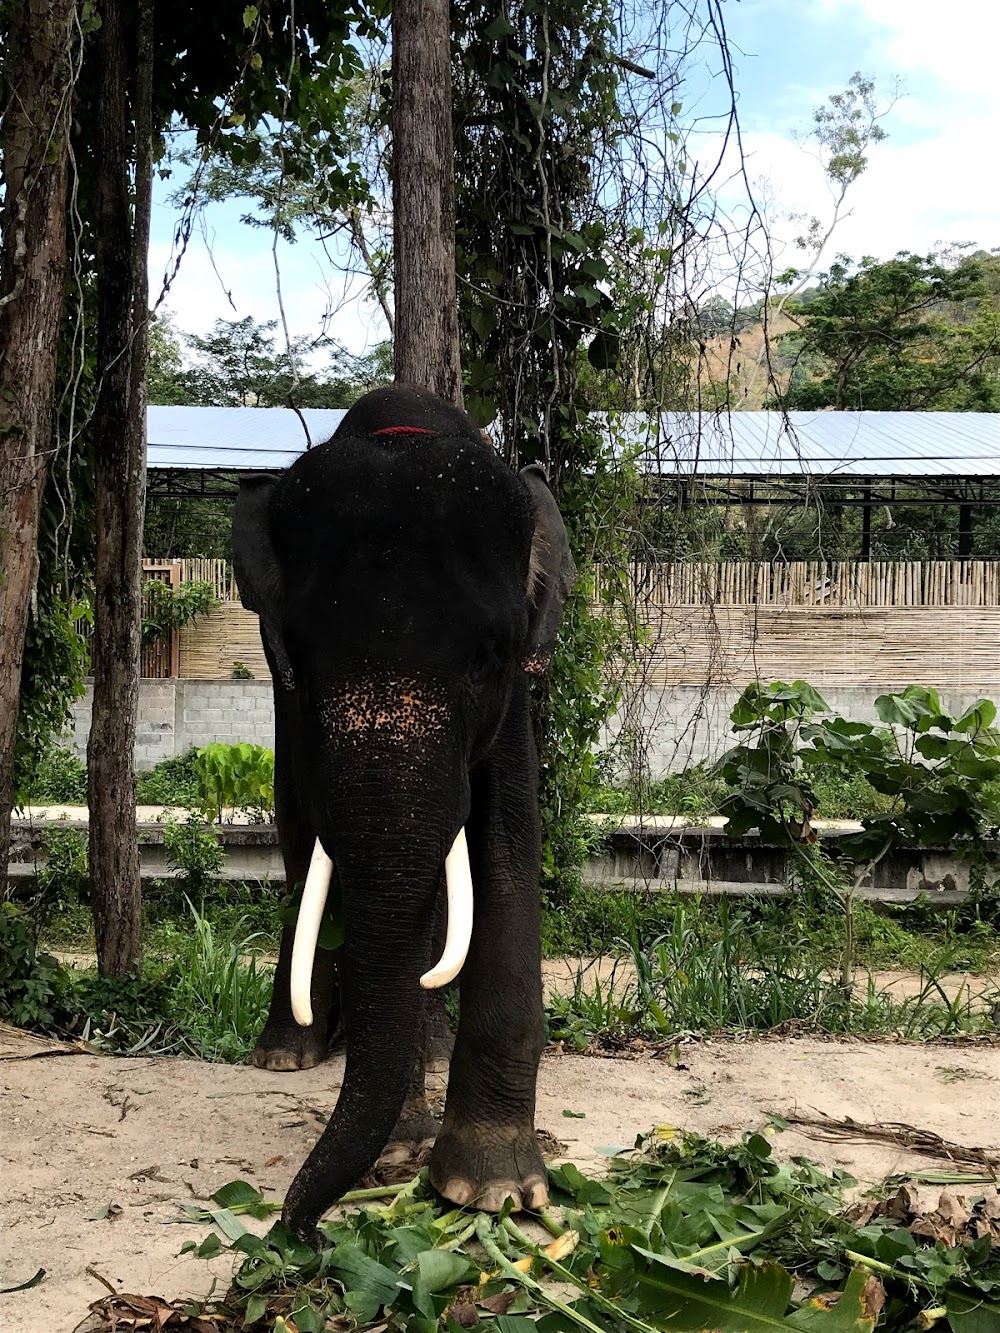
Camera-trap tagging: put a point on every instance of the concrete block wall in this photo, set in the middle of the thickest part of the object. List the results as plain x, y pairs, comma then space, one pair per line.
178, 715
679, 725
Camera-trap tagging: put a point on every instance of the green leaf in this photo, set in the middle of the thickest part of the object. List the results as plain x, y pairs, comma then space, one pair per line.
237, 1194
354, 1267
256, 1308
574, 1115
230, 1225
977, 716
967, 1314
759, 1302
436, 1271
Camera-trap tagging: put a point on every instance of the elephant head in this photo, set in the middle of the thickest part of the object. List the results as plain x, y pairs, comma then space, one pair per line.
407, 584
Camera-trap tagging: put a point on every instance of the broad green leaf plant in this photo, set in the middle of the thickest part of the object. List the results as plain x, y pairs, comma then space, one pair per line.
936, 769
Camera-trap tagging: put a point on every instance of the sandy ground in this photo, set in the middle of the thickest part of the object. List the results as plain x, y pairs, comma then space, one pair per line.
82, 1131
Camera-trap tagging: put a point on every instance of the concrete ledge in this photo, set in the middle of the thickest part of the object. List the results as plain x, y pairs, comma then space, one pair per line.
648, 856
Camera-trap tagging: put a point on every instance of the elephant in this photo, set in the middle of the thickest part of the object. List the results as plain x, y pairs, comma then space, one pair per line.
409, 584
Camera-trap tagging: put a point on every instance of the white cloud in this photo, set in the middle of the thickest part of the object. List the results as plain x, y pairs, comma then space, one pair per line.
315, 296
931, 181
955, 44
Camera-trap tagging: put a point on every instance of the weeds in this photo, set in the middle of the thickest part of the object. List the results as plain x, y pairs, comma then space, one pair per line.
208, 999
727, 976
222, 997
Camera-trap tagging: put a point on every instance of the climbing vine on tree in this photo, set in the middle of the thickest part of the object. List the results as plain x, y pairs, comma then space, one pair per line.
536, 104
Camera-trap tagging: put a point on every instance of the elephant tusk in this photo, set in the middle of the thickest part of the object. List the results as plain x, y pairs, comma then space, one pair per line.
307, 926
458, 878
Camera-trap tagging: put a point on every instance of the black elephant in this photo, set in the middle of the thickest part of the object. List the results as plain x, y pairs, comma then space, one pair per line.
408, 584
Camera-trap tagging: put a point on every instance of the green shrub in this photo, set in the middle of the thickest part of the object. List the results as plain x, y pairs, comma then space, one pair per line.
32, 984
168, 608
59, 777
195, 853
171, 782
61, 880
240, 777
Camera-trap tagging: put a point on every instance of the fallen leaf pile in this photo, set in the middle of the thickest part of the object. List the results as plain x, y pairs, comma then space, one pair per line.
944, 1215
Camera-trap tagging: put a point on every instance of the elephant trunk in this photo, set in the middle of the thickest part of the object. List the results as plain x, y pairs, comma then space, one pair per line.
458, 881
389, 846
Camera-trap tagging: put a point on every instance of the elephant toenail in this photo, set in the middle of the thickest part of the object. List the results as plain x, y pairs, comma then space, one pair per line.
536, 1195
458, 1191
395, 1153
494, 1197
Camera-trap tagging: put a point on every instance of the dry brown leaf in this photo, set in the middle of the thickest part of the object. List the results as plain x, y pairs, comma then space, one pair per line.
464, 1313
500, 1303
872, 1298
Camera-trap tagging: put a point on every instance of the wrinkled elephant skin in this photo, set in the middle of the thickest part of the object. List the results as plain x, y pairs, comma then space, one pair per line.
408, 585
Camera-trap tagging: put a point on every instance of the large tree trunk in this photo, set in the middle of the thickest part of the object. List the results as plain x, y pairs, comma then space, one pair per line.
39, 73
423, 200
124, 138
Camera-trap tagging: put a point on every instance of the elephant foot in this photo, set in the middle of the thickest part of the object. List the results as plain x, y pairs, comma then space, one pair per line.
286, 1046
484, 1166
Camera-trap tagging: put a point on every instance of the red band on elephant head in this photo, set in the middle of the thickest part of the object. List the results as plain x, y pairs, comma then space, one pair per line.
403, 430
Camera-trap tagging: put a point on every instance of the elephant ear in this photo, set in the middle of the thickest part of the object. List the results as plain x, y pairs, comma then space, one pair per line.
551, 572
258, 574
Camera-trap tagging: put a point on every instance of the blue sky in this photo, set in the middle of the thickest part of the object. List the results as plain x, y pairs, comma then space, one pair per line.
934, 180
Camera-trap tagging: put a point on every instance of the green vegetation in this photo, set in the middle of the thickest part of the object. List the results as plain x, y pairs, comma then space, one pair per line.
168, 608
738, 971
239, 777
912, 333
208, 998
680, 1232
171, 782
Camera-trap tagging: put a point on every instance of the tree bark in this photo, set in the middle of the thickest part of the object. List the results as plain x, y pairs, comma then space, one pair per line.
124, 137
423, 200
40, 75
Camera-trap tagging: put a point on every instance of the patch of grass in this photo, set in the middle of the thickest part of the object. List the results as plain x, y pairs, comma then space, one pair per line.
223, 996
591, 923
695, 792
698, 791
206, 994
723, 974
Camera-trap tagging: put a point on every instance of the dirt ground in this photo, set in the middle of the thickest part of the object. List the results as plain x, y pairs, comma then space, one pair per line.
80, 1132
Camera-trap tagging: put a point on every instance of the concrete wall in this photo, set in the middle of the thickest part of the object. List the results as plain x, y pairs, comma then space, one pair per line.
178, 715
676, 725
680, 725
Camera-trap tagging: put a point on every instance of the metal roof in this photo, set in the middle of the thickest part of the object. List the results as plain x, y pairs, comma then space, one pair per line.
728, 444
820, 444
234, 439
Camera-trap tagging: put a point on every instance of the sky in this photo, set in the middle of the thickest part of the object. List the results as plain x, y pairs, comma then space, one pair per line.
931, 182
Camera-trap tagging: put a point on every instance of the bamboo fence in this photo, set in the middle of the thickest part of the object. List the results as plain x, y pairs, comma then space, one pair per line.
840, 621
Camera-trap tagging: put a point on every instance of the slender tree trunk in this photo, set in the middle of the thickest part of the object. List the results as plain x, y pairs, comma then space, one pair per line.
423, 199
39, 74
124, 139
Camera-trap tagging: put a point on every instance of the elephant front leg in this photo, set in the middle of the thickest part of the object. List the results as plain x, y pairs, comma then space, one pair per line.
487, 1150
283, 1044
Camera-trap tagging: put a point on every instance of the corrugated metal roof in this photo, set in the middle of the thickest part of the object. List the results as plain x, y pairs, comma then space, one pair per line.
234, 439
735, 444
875, 444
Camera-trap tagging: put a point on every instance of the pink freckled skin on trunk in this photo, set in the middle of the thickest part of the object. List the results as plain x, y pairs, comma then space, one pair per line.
400, 711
